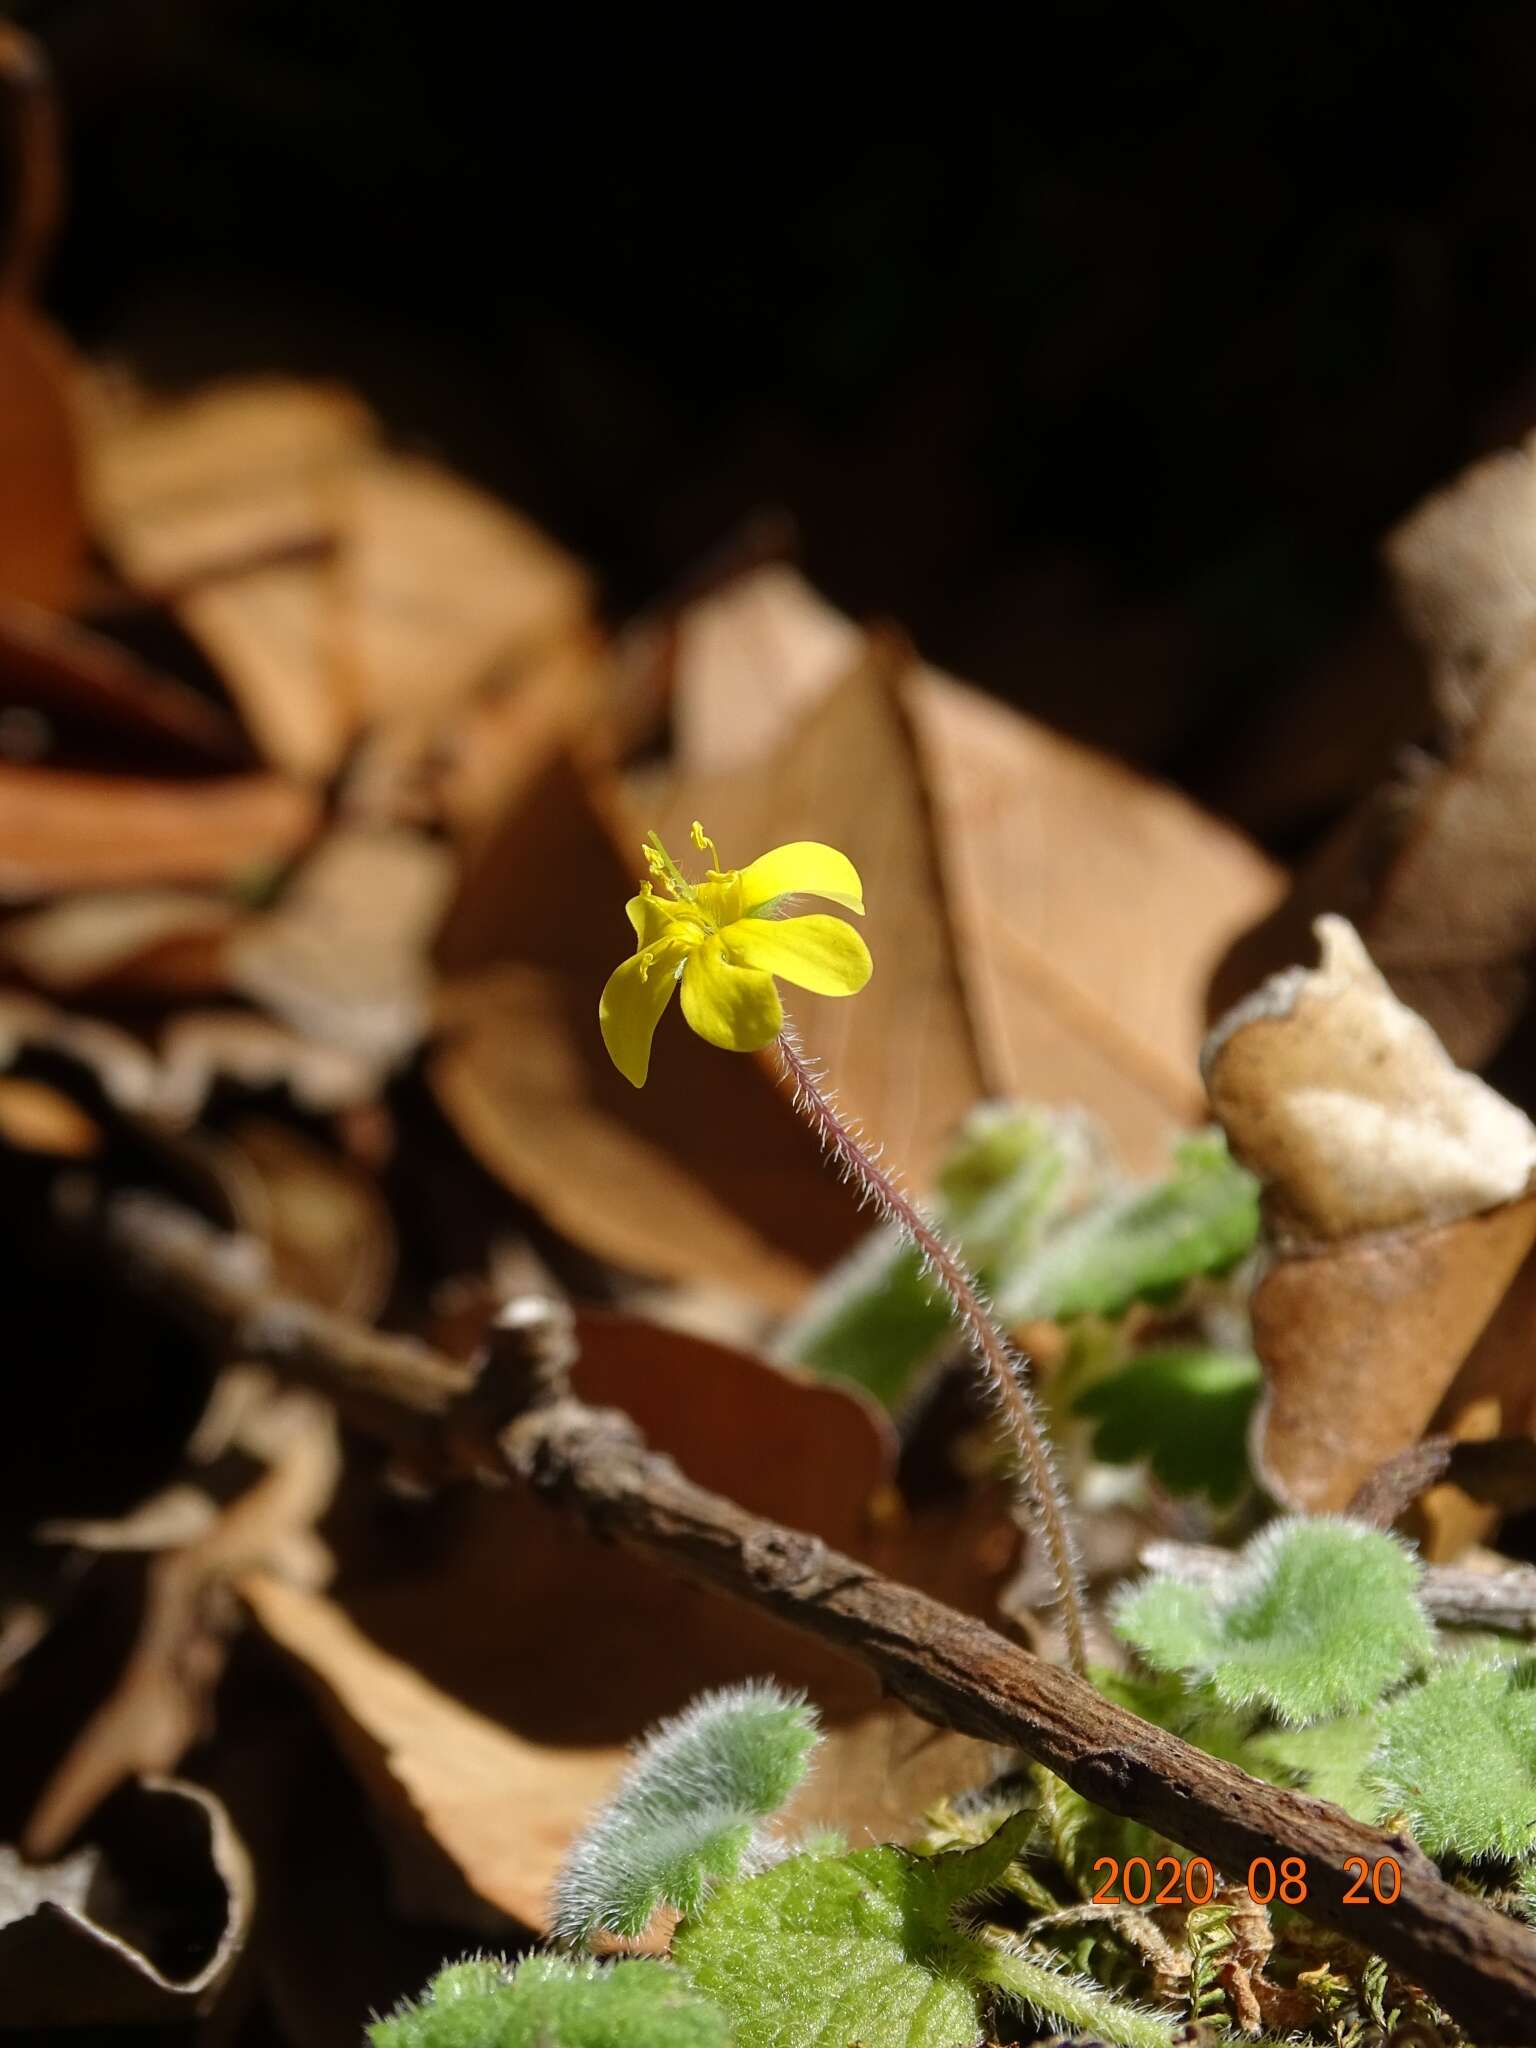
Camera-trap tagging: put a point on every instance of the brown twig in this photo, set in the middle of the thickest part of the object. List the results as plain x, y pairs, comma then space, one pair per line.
949, 1667
1498, 1471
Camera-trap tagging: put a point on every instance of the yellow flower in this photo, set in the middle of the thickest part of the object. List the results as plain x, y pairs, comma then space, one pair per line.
723, 940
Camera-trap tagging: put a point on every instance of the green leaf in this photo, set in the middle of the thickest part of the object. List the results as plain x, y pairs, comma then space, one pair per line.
1329, 1759
1319, 1619
689, 1811
1183, 1408
869, 1948
1142, 1246
849, 1948
549, 2003
1458, 1757
877, 1318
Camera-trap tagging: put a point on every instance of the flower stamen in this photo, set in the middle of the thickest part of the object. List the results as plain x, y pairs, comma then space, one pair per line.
665, 868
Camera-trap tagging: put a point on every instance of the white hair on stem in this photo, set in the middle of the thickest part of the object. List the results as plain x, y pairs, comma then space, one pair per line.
1004, 1367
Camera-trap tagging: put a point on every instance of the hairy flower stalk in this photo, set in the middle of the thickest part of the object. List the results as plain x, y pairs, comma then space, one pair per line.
720, 945
1001, 1361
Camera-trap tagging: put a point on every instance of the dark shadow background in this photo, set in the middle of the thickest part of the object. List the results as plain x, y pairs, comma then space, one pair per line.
1099, 347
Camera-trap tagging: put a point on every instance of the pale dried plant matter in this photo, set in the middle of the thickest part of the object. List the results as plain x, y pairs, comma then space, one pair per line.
1346, 1103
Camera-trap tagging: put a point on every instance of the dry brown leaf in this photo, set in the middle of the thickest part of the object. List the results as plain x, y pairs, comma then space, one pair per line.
1397, 1187
745, 663
502, 1808
206, 500
63, 831
441, 586
343, 958
492, 1684
140, 1926
37, 1118
1021, 857
484, 761
902, 1055
1352, 1111
1435, 866
1360, 1342
325, 1224
42, 512
42, 515
158, 939
88, 688
707, 1170
945, 1021
422, 587
1089, 905
159, 1705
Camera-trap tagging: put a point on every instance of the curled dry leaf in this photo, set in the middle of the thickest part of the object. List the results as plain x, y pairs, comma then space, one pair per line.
1397, 1187
140, 1926
198, 1050
201, 1048
160, 1703
119, 1064
1435, 867
1351, 1110
490, 1687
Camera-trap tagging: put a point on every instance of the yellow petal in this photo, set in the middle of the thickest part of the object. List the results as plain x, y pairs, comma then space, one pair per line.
656, 917
737, 1008
819, 953
719, 902
803, 868
631, 1007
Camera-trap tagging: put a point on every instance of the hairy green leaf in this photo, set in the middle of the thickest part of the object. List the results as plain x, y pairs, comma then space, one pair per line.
1185, 1409
549, 2003
1329, 1759
872, 1948
1144, 1245
1319, 1619
877, 1318
849, 1948
1458, 1757
688, 1813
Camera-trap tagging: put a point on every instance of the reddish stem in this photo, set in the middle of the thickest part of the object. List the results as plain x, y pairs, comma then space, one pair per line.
1004, 1365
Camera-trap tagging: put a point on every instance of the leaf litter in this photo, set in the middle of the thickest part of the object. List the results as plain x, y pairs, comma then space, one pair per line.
305, 918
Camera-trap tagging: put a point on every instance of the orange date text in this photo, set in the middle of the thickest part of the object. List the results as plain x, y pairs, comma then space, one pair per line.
1177, 1881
